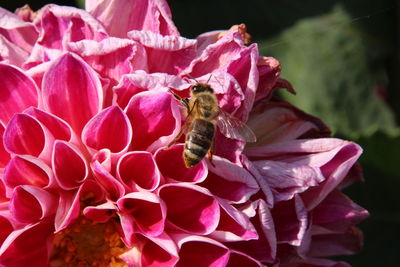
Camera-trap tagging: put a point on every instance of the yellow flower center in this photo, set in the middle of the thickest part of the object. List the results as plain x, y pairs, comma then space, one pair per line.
87, 243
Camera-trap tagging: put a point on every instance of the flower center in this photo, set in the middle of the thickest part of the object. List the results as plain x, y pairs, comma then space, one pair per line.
87, 243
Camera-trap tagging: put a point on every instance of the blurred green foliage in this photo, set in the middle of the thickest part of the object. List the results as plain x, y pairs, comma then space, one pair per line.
326, 60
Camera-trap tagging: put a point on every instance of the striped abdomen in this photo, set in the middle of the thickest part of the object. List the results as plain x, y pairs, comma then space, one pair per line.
198, 141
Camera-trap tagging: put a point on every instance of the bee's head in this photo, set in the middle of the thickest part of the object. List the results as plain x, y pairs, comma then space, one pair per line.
201, 87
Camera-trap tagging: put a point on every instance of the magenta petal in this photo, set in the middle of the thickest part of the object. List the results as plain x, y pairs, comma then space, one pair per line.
17, 92
72, 91
26, 171
237, 258
69, 166
24, 135
11, 53
169, 54
112, 57
201, 251
97, 133
190, 208
291, 221
178, 171
152, 251
4, 156
138, 170
61, 24
101, 167
153, 15
230, 181
17, 31
100, 213
6, 227
141, 212
30, 244
57, 127
29, 204
155, 119
269, 70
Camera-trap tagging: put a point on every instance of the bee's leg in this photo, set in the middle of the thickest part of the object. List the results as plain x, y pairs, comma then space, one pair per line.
183, 130
184, 101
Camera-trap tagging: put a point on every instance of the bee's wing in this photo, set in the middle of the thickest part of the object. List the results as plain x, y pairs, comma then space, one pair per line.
234, 128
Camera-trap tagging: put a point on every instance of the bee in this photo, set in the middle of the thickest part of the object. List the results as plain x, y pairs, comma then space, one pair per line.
203, 117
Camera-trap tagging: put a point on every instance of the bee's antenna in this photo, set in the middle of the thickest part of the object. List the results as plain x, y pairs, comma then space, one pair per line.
209, 78
191, 77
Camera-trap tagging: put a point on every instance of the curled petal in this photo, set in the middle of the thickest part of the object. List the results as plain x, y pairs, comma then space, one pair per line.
11, 53
101, 167
69, 203
6, 227
155, 118
23, 170
100, 213
153, 15
69, 166
269, 70
134, 83
123, 55
152, 251
17, 31
61, 24
30, 204
138, 170
178, 171
97, 135
169, 54
4, 156
25, 135
230, 181
190, 208
237, 258
141, 212
72, 91
200, 251
17, 92
29, 243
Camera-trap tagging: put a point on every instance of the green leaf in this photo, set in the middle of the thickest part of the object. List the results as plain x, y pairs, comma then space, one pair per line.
326, 60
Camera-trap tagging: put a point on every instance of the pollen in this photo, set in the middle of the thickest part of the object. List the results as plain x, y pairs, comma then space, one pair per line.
86, 243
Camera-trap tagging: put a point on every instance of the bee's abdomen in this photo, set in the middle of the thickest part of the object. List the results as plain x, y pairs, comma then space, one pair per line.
198, 141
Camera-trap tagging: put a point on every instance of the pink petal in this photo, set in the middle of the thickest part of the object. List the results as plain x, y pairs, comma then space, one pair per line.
152, 251
169, 54
111, 57
234, 225
138, 170
22, 170
140, 81
178, 171
61, 24
58, 128
69, 165
17, 31
230, 181
264, 248
269, 70
69, 203
30, 244
11, 53
201, 251
4, 156
237, 258
17, 92
29, 204
190, 208
291, 221
97, 135
25, 135
155, 119
101, 167
277, 122
153, 15
72, 91
337, 212
141, 212
100, 213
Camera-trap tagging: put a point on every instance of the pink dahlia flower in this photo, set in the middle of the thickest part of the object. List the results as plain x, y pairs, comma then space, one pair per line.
86, 114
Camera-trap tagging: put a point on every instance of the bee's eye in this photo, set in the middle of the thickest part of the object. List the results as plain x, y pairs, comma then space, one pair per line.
196, 89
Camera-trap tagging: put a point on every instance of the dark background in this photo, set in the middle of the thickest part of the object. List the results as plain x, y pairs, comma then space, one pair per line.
343, 59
